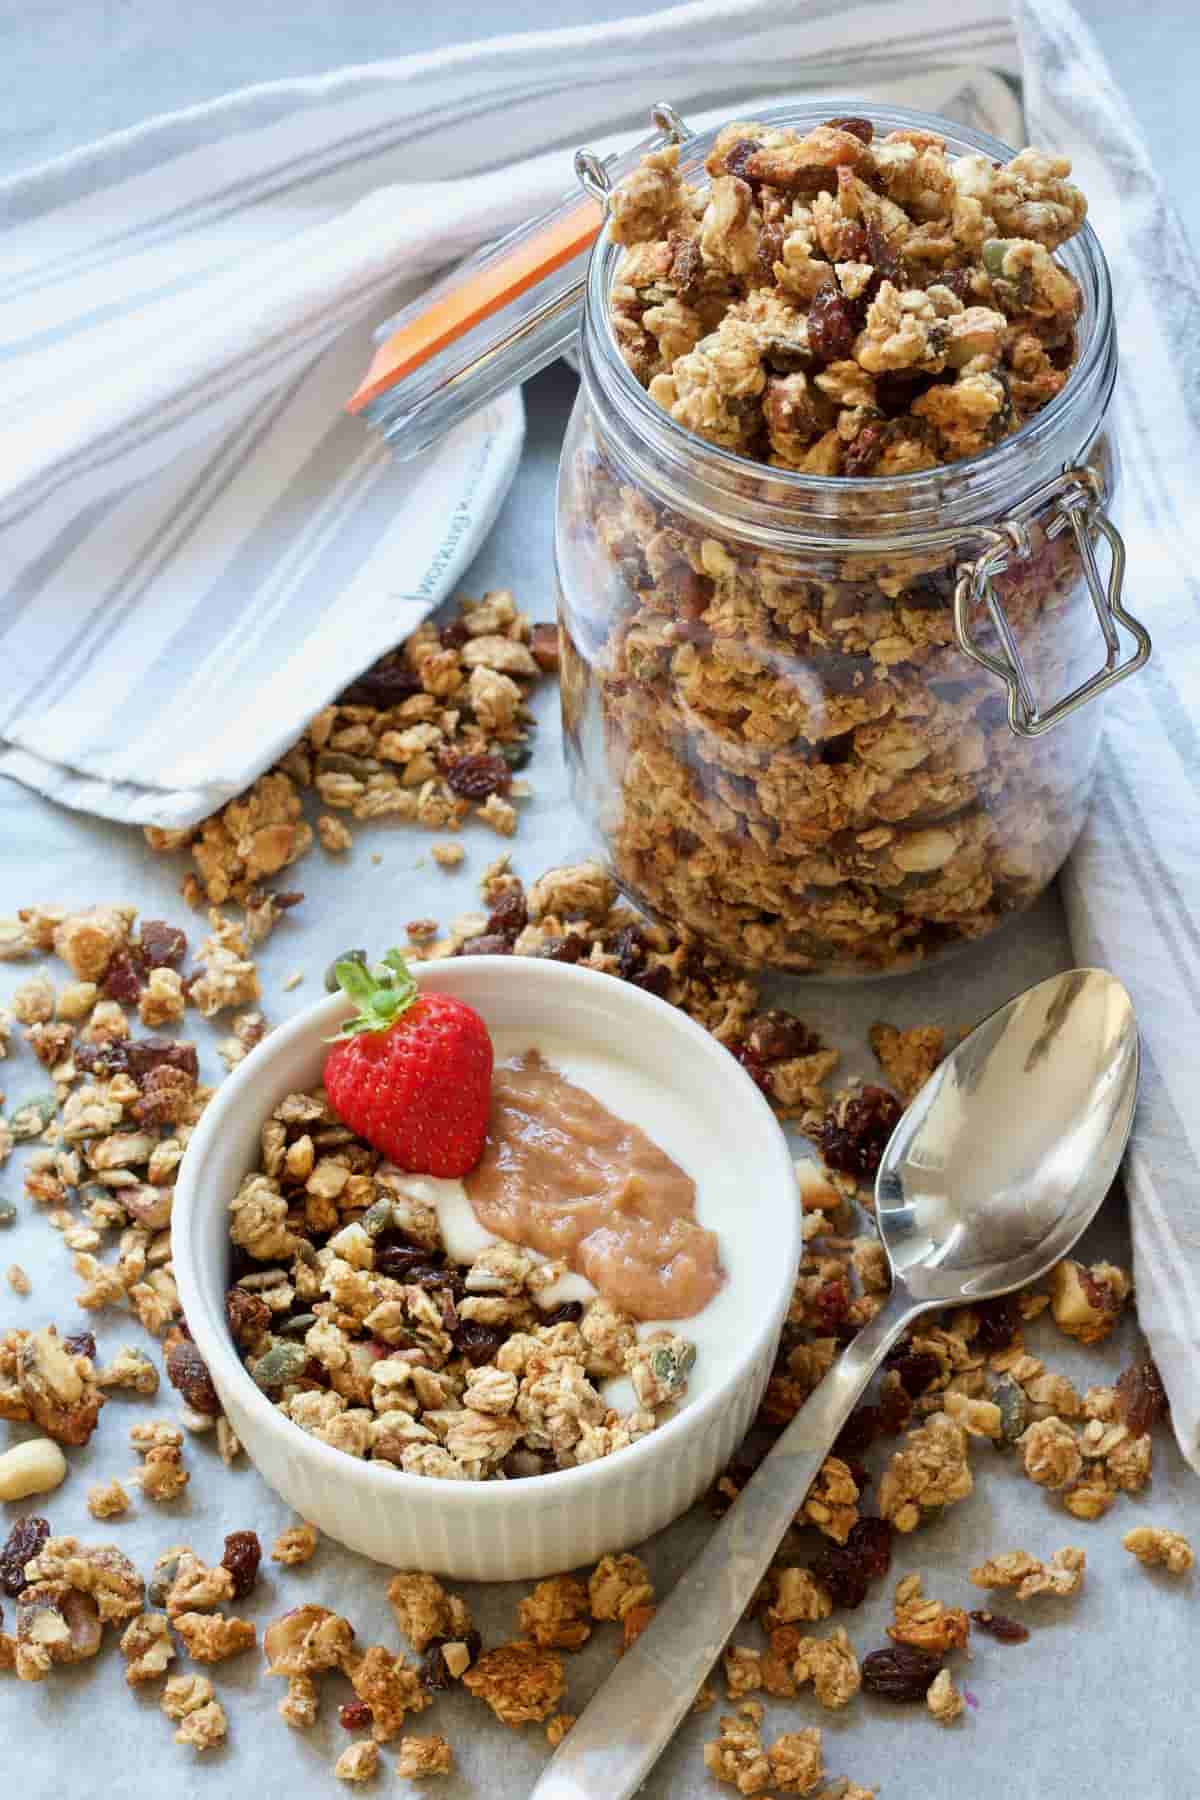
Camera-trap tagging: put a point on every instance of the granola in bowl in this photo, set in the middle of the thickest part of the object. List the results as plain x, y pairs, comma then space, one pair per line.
801, 419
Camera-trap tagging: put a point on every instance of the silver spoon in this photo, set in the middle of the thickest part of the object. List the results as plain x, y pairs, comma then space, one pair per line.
987, 1181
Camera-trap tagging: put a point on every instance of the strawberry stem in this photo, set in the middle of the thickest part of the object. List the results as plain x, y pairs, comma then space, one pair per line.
380, 994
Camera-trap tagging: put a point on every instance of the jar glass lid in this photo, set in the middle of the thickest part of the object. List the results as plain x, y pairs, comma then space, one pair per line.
499, 316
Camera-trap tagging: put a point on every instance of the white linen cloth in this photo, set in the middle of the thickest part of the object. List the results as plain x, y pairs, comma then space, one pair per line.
199, 548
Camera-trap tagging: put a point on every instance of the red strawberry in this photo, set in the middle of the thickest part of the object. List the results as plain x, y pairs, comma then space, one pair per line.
411, 1073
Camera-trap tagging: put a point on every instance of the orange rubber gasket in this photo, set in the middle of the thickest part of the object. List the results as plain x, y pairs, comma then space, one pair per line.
477, 298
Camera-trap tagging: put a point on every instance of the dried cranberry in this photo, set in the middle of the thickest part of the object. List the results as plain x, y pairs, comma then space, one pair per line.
901, 1673
24, 1541
754, 1066
880, 253
832, 1303
567, 949
629, 948
454, 635
491, 943
247, 1315
355, 1715
916, 1371
997, 1625
843, 1573
125, 978
386, 683
1141, 1397
862, 129
569, 1313
832, 325
509, 916
544, 645
999, 1322
80, 1343
855, 1143
777, 1035
870, 1540
243, 1553
478, 1343
188, 1371
863, 451
163, 946
478, 776
399, 1260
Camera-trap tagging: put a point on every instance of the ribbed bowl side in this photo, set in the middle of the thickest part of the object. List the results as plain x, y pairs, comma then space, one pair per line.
479, 1537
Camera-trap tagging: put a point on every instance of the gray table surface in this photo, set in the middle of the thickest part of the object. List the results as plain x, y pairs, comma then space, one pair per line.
75, 69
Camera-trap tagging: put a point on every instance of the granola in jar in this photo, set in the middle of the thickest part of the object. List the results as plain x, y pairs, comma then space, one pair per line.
810, 364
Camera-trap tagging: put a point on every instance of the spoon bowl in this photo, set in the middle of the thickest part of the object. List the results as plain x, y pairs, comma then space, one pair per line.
1002, 1159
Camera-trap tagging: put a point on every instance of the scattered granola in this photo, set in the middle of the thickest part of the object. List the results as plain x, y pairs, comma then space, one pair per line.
421, 1757
147, 1648
617, 1585
943, 1699
358, 1762
1062, 1575
924, 1623
557, 1728
203, 1727
1050, 1453
555, 1614
1156, 1546
19, 1281
211, 1637
108, 1501
1086, 1303
390, 1687
519, 1681
296, 1544
932, 1471
184, 1694
737, 1757
425, 1611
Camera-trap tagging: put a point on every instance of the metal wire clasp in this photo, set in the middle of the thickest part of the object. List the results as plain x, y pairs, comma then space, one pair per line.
592, 171
1079, 493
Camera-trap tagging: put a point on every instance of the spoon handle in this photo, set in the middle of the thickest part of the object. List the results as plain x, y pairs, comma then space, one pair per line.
622, 1732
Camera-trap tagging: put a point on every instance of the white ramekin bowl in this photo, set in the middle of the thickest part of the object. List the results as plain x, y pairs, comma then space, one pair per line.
505, 1531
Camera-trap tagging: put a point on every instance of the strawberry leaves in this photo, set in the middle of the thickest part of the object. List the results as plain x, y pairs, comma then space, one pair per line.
380, 994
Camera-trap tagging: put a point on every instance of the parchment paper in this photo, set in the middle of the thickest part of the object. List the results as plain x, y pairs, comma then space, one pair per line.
1098, 1702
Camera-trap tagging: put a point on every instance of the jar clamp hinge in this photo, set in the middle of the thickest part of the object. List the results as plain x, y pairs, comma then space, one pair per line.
1079, 493
592, 171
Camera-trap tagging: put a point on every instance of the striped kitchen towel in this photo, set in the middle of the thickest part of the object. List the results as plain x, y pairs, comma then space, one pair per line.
199, 549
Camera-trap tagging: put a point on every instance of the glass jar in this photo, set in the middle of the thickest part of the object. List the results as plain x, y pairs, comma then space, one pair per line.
836, 726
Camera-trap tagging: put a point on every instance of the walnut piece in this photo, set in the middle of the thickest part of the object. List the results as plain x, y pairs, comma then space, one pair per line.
1155, 1545
58, 1387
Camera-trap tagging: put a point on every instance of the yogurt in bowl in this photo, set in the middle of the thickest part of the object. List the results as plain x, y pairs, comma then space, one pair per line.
650, 1066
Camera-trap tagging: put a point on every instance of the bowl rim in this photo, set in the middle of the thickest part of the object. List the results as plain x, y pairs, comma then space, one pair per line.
210, 1333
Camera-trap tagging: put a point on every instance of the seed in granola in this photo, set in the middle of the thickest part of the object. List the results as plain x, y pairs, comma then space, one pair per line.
243, 1553
902, 1673
997, 1625
477, 776
188, 1371
24, 1542
1013, 1402
8, 1213
282, 1364
854, 1143
355, 1715
1141, 1397
517, 756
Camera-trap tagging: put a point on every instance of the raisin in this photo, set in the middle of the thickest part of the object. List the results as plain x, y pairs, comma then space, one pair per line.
162, 946
426, 1275
999, 1322
355, 1715
629, 948
656, 981
509, 916
870, 1540
843, 1573
901, 1673
777, 1035
454, 635
855, 1143
398, 1260
858, 1433
247, 1315
738, 155
832, 325
24, 1541
1008, 1631
80, 1343
478, 776
895, 1409
1141, 1397
543, 642
755, 1067
862, 129
567, 949
492, 943
386, 683
863, 451
243, 1553
916, 1371
569, 1313
125, 978
188, 1371
478, 1343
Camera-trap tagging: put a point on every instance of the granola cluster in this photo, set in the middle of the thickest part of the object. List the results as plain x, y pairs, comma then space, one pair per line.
785, 751
431, 733
351, 1317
